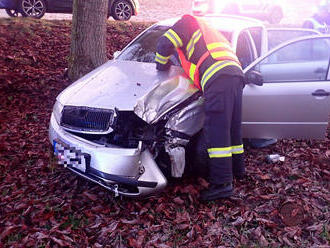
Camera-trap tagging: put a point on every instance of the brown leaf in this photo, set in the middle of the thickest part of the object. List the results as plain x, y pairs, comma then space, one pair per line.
60, 242
265, 177
183, 226
317, 227
131, 222
191, 233
203, 182
178, 200
239, 221
110, 228
8, 230
327, 153
90, 196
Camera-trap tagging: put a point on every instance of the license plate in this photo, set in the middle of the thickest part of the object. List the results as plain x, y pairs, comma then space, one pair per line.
69, 156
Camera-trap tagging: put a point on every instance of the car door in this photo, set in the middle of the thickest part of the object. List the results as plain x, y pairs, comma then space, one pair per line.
276, 36
294, 100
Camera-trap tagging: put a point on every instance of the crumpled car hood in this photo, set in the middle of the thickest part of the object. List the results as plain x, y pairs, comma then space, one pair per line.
117, 84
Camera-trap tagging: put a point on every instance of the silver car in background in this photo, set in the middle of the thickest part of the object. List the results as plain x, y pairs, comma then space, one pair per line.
126, 125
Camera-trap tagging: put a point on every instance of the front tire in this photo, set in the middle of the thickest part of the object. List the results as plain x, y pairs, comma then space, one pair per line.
12, 12
32, 8
122, 10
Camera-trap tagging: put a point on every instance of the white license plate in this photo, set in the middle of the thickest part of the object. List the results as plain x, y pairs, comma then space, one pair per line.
69, 156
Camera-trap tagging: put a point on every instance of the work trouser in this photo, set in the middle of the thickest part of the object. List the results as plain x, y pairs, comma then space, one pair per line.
222, 128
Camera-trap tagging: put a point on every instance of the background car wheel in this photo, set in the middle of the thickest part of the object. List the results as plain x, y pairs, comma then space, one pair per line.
32, 8
275, 15
122, 10
12, 12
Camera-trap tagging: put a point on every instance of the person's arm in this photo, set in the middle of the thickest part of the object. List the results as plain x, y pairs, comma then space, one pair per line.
165, 48
176, 37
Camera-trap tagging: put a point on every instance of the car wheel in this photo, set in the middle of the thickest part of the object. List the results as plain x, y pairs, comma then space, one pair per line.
12, 12
32, 8
122, 10
275, 15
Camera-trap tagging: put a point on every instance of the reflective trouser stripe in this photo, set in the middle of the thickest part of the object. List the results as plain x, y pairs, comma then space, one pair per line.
161, 59
174, 38
213, 69
223, 152
219, 152
237, 149
191, 44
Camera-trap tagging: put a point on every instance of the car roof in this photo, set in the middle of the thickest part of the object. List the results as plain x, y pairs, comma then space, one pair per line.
229, 23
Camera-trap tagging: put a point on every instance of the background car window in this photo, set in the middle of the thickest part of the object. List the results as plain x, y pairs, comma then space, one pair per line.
143, 49
244, 50
305, 60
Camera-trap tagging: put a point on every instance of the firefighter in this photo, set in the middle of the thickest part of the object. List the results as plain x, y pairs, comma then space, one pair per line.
320, 21
208, 60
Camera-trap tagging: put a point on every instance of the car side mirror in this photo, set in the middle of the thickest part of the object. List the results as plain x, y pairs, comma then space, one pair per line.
254, 77
116, 54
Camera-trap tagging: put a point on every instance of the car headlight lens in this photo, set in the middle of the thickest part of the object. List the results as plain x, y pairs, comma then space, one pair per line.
57, 111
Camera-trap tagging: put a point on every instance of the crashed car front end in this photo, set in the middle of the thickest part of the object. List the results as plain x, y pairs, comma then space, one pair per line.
115, 142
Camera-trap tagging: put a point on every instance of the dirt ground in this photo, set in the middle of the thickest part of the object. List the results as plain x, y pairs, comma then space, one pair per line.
295, 11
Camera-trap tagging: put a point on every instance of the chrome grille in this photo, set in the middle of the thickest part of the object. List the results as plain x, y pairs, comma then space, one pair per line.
86, 119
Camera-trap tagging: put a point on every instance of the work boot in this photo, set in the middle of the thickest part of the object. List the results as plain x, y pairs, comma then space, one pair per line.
215, 192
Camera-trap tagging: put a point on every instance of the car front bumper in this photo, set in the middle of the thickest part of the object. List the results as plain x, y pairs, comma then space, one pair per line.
115, 168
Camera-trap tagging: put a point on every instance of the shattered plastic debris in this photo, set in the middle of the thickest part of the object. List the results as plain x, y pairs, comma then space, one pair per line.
273, 158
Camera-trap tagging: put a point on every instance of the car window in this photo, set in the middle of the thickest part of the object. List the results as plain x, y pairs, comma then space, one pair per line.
244, 50
143, 49
278, 36
304, 60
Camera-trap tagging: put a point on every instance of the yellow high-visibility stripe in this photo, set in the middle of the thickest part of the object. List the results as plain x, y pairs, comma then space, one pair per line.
174, 38
223, 54
228, 148
237, 149
220, 155
191, 44
192, 71
223, 152
161, 59
220, 152
214, 45
213, 69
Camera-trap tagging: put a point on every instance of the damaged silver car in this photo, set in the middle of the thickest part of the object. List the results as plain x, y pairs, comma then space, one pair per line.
126, 126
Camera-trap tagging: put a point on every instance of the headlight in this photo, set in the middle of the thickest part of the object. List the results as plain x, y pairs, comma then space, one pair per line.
57, 111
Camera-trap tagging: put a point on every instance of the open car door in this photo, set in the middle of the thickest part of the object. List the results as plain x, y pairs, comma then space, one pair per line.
294, 100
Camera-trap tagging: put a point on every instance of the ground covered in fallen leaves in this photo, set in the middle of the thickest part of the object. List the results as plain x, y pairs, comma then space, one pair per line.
283, 204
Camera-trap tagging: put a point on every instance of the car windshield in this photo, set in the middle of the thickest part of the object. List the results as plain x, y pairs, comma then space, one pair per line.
143, 49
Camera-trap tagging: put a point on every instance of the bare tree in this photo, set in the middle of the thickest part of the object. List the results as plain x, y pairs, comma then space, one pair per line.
88, 37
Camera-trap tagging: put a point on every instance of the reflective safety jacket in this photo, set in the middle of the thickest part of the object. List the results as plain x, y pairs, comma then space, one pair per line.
204, 53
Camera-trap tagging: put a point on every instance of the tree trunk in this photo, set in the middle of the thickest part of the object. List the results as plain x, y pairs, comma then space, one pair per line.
88, 37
